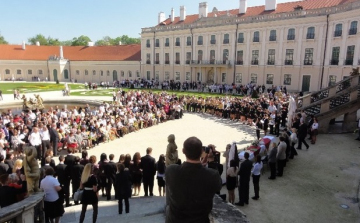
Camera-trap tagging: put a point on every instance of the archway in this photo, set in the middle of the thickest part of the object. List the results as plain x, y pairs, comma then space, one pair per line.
55, 75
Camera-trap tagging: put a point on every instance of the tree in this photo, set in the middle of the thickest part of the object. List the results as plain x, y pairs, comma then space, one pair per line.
105, 41
53, 42
2, 40
38, 38
355, 72
125, 39
80, 41
66, 43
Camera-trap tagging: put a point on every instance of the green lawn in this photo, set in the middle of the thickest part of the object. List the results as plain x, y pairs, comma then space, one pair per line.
109, 92
9, 87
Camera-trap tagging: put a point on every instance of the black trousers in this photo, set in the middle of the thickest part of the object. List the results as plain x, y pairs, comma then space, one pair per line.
281, 164
293, 151
256, 181
108, 189
301, 141
258, 133
45, 146
55, 147
75, 186
127, 205
83, 211
244, 190
271, 129
148, 186
277, 129
40, 155
272, 170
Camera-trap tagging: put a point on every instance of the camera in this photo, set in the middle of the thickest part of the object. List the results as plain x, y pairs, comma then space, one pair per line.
206, 149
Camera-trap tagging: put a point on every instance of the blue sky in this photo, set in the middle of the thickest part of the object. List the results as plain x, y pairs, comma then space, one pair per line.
22, 19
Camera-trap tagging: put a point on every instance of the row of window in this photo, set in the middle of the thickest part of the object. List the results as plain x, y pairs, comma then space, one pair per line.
256, 36
19, 72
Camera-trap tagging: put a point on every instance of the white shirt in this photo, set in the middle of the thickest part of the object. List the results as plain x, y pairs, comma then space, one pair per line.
315, 126
257, 168
35, 139
45, 135
48, 184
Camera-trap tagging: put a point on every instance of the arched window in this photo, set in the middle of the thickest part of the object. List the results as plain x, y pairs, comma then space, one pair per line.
18, 71
122, 74
86, 72
66, 74
115, 77
200, 40
256, 37
291, 34
7, 71
338, 30
94, 72
310, 33
108, 73
353, 28
101, 73
129, 74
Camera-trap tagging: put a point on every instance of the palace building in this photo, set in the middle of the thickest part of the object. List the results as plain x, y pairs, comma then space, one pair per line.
303, 45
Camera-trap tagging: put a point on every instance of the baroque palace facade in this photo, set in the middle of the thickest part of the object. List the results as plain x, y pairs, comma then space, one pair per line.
304, 45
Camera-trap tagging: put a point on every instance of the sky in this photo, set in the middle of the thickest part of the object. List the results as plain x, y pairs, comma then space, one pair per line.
66, 19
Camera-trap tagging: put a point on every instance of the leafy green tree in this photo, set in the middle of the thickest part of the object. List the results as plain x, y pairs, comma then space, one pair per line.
66, 43
53, 42
2, 40
125, 39
38, 38
105, 41
80, 41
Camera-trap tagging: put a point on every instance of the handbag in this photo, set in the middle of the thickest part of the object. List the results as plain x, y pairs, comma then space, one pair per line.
78, 195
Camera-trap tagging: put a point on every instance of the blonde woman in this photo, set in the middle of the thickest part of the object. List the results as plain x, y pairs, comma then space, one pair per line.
90, 195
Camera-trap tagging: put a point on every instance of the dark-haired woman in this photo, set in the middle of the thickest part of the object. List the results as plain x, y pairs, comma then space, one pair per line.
136, 173
123, 187
256, 171
160, 168
231, 179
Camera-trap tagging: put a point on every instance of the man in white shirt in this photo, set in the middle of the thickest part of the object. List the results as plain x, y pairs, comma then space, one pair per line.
45, 138
35, 140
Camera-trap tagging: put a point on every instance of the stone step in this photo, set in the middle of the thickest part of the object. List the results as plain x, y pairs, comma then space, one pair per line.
142, 209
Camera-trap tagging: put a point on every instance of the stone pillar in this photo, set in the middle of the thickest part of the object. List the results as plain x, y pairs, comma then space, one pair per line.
324, 125
349, 124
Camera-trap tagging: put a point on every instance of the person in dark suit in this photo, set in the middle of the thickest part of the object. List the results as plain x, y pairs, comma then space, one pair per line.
54, 138
123, 187
149, 170
75, 176
62, 178
244, 182
10, 161
302, 132
4, 168
45, 167
69, 162
272, 161
110, 172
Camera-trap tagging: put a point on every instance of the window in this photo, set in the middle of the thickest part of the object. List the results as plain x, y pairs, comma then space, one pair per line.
18, 71
148, 74
129, 74
353, 28
350, 55
253, 78
289, 57
40, 72
29, 72
86, 72
77, 72
338, 30
177, 58
255, 57
212, 39
122, 73
256, 37
188, 57
188, 41
66, 74
157, 60
240, 57
291, 34
238, 78
272, 36
137, 73
223, 77
241, 38
270, 79
177, 76
108, 73
200, 54
187, 76
308, 60
148, 43
332, 80
225, 56
226, 39
157, 43
94, 72
271, 57
167, 76
212, 56
310, 33
7, 71
287, 79
199, 77
335, 55
167, 58
200, 40
148, 58
157, 75
101, 73
167, 42
177, 41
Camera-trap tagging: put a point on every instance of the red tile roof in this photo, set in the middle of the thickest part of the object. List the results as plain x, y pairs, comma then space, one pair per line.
73, 53
260, 10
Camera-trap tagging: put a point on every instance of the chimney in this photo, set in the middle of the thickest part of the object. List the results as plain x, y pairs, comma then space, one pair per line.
182, 13
172, 15
270, 5
242, 7
120, 43
23, 45
161, 17
37, 43
90, 44
61, 53
203, 9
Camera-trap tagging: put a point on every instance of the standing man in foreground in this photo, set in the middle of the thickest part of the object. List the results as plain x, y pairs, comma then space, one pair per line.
149, 170
190, 187
244, 181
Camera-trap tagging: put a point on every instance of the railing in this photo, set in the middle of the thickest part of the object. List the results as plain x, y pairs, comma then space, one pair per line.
209, 62
254, 62
271, 62
288, 62
240, 62
272, 38
334, 62
256, 39
231, 20
188, 43
308, 62
177, 61
338, 33
148, 45
177, 43
348, 62
226, 41
352, 31
310, 36
28, 210
167, 44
